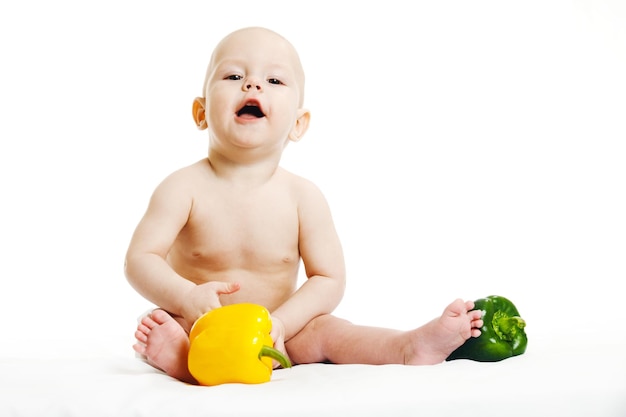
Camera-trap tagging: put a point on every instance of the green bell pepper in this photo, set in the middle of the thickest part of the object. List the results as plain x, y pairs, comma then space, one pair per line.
502, 335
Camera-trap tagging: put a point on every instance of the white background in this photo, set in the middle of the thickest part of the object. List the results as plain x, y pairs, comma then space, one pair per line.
466, 149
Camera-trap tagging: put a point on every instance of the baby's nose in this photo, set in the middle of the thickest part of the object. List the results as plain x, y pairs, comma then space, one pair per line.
248, 85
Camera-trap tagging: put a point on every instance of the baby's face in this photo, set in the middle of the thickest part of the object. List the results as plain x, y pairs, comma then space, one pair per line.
254, 86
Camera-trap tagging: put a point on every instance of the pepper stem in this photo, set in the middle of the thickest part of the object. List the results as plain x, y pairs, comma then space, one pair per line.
276, 355
507, 327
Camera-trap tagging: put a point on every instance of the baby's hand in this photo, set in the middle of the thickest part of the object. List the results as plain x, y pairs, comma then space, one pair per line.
278, 336
206, 297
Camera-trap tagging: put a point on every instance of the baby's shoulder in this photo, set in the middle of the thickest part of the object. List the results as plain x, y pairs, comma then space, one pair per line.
195, 171
295, 181
182, 180
301, 186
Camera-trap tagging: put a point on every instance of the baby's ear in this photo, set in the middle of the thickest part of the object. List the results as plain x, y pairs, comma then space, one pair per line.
301, 125
198, 113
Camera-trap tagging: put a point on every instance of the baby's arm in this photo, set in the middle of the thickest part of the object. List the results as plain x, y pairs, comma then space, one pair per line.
145, 266
322, 255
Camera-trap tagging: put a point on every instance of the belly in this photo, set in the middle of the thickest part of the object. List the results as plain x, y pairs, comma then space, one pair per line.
266, 291
269, 284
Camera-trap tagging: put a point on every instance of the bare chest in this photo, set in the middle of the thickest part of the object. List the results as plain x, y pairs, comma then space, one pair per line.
251, 232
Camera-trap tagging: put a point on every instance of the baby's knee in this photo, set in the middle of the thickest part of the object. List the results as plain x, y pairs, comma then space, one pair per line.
324, 324
308, 345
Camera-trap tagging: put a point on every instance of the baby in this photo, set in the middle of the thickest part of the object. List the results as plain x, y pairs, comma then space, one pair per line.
234, 226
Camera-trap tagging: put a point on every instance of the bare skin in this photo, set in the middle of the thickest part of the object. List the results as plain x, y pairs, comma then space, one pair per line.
234, 226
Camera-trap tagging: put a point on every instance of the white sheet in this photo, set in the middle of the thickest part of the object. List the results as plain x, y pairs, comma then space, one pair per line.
556, 377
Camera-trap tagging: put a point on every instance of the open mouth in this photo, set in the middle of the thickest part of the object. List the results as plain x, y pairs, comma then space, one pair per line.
251, 108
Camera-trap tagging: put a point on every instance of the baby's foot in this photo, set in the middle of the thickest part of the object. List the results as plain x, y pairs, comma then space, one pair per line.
164, 343
436, 340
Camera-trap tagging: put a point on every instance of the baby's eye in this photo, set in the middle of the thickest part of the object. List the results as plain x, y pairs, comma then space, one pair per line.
234, 77
274, 81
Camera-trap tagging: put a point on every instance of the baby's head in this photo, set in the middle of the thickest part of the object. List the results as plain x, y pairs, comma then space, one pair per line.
256, 65
265, 43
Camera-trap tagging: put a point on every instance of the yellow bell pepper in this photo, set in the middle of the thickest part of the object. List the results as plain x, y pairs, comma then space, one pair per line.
232, 344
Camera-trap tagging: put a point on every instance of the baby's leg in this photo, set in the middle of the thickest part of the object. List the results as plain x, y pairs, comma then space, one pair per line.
327, 338
165, 344
330, 339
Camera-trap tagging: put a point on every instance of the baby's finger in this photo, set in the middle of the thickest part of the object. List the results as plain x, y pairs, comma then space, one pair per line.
476, 314
224, 287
